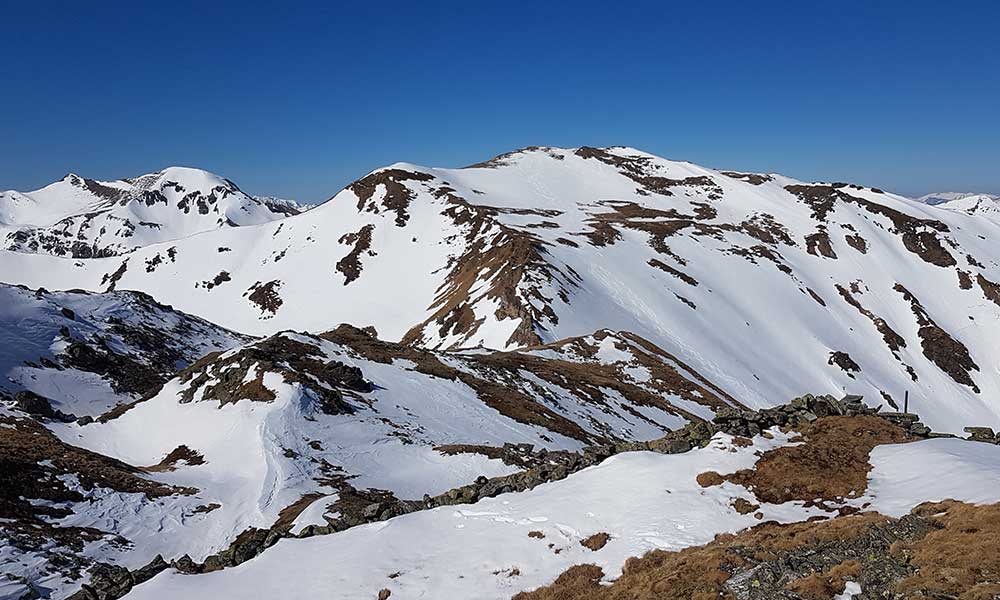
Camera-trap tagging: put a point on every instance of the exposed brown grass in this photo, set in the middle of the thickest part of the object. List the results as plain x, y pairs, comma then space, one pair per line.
709, 478
960, 560
949, 551
949, 354
698, 573
826, 585
291, 512
178, 454
742, 442
830, 464
265, 296
596, 541
361, 241
743, 506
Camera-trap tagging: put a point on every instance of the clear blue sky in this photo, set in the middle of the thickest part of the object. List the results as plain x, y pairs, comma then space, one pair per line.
299, 100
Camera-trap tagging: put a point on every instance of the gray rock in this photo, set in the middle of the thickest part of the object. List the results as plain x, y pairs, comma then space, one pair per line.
372, 510
980, 434
150, 570
109, 582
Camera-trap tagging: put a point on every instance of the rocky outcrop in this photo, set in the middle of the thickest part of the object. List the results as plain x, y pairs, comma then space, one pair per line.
39, 407
109, 582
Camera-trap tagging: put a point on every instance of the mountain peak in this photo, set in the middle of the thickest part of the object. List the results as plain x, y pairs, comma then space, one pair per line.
193, 178
84, 218
943, 197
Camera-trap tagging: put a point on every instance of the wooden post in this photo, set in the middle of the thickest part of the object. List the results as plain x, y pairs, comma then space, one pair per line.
906, 401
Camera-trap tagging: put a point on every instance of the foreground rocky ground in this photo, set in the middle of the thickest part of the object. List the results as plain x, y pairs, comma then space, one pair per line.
940, 550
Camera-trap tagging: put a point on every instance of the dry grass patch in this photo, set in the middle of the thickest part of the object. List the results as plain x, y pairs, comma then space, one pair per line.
830, 464
940, 550
596, 541
743, 506
287, 515
960, 560
180, 453
709, 479
826, 585
701, 573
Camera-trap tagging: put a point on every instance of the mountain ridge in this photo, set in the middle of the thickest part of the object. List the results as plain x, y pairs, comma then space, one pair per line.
85, 218
434, 353
544, 243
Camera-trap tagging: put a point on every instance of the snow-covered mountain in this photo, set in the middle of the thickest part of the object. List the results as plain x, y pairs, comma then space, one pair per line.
83, 218
985, 205
474, 382
86, 353
331, 421
284, 205
943, 197
746, 277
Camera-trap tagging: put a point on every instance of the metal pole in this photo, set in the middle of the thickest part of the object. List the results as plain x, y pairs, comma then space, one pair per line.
906, 401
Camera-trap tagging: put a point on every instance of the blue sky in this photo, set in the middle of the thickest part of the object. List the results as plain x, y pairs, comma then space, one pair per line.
297, 101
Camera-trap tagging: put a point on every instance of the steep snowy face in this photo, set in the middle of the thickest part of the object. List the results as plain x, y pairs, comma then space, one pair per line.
767, 286
74, 354
84, 218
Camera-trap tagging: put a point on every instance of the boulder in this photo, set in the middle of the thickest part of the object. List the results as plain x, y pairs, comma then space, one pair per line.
109, 582
981, 434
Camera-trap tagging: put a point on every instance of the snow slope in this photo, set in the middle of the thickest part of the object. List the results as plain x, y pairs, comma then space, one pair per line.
976, 204
88, 352
84, 218
256, 430
767, 286
644, 501
943, 197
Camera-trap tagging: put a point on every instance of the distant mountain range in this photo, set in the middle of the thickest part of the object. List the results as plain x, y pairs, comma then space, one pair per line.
194, 372
85, 218
544, 244
944, 197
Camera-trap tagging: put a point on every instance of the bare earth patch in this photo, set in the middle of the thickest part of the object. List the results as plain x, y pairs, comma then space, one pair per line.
596, 541
179, 454
960, 560
830, 464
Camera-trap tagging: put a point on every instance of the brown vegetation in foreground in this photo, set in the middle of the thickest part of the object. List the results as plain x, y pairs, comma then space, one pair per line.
941, 550
830, 464
959, 560
698, 573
